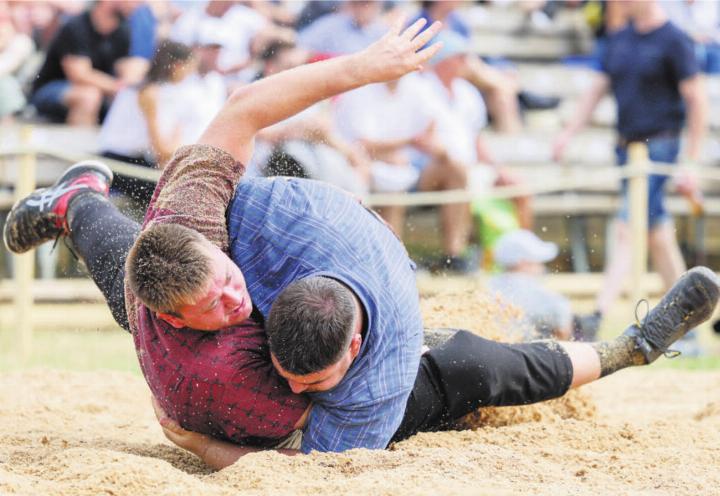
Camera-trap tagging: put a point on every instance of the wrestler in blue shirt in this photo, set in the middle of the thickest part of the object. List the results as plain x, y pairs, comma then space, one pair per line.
282, 230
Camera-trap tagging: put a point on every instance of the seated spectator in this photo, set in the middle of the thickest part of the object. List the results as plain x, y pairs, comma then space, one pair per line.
147, 123
391, 121
15, 48
142, 25
522, 256
355, 26
81, 74
241, 31
459, 112
307, 145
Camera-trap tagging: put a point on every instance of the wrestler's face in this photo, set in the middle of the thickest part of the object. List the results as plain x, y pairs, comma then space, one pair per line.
324, 379
224, 302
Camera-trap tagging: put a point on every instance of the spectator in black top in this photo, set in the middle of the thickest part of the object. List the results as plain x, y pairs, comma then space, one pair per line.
653, 73
81, 72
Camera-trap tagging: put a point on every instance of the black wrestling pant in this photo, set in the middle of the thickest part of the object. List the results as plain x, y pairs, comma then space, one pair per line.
454, 379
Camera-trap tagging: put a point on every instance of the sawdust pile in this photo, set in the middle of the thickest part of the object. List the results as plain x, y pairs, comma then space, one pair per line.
640, 431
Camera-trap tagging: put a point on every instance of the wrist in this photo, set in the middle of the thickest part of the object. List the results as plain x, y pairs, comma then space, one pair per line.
359, 68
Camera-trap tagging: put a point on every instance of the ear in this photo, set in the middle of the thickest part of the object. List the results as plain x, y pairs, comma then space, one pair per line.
176, 322
355, 344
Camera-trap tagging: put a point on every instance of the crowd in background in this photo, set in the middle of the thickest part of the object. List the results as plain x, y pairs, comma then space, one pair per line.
153, 74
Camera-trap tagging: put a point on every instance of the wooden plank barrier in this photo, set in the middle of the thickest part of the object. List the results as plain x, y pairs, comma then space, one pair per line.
25, 263
638, 198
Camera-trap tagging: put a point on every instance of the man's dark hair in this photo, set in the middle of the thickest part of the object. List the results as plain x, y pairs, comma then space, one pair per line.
167, 267
310, 325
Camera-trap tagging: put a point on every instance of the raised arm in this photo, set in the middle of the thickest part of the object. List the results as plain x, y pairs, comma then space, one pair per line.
283, 95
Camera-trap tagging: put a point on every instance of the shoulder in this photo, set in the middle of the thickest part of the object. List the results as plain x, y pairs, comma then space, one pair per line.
75, 28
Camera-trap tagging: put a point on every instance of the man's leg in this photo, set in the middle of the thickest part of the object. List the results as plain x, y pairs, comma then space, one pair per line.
102, 237
468, 372
443, 175
76, 206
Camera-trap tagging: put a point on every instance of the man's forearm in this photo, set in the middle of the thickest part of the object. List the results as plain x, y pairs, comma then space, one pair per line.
696, 102
587, 105
106, 83
274, 99
220, 454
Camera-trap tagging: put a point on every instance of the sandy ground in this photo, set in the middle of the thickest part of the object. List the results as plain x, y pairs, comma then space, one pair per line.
638, 432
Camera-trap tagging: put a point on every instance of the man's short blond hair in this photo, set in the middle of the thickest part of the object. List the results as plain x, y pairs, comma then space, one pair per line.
168, 267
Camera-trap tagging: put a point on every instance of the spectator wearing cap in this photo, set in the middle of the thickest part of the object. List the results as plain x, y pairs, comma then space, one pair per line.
522, 256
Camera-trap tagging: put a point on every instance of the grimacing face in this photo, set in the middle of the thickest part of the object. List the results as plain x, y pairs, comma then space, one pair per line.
225, 301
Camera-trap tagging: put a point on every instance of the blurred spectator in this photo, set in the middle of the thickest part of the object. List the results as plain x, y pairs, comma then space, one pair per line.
15, 48
81, 73
522, 256
147, 123
307, 144
312, 11
142, 25
500, 88
459, 112
41, 20
355, 26
241, 30
388, 120
651, 69
701, 21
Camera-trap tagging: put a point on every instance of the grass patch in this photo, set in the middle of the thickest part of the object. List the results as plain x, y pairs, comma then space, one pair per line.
71, 350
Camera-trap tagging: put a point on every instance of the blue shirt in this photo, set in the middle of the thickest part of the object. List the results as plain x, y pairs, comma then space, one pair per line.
282, 230
645, 70
142, 25
338, 34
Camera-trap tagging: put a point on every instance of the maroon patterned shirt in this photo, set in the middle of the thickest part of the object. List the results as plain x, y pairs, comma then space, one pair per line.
217, 383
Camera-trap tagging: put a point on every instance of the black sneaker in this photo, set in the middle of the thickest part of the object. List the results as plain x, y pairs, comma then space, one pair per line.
42, 216
690, 302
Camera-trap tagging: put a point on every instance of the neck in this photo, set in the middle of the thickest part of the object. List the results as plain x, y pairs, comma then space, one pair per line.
650, 19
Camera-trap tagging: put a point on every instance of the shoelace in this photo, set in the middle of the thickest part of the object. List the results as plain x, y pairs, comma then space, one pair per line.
668, 353
48, 196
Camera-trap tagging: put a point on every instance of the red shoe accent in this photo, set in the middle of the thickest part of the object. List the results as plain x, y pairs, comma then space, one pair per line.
84, 182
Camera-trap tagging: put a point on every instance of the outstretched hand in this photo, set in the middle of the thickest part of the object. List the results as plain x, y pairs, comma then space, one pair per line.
400, 51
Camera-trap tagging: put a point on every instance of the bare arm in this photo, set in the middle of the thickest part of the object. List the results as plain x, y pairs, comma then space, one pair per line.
282, 95
132, 70
695, 96
163, 147
79, 70
585, 109
215, 453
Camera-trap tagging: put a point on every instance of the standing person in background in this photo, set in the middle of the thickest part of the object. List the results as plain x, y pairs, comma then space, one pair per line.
651, 68
81, 73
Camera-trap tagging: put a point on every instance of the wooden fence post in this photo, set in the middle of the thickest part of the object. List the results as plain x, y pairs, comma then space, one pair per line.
25, 263
638, 198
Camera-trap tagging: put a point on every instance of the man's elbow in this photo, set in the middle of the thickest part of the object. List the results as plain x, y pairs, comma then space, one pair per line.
241, 104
